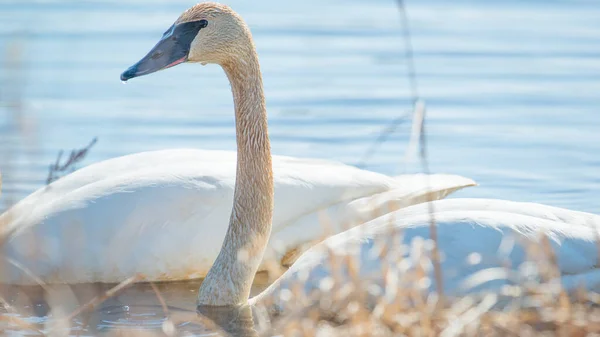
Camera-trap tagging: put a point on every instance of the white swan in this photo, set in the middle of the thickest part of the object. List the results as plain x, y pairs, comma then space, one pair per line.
164, 213
473, 235
465, 226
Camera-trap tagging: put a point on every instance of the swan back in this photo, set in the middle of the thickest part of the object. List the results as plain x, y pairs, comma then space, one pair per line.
475, 236
180, 200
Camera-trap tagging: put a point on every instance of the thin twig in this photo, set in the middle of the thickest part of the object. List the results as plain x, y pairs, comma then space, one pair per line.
21, 323
76, 156
108, 294
27, 272
161, 300
382, 138
408, 50
419, 117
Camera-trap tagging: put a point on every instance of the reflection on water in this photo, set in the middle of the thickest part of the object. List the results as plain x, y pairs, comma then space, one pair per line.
235, 321
166, 307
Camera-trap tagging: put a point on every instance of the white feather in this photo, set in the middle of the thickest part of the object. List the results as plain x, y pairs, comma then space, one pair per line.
165, 213
472, 236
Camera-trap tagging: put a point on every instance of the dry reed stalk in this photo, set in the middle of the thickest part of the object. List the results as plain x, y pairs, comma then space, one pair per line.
27, 272
20, 323
161, 300
94, 302
419, 113
168, 325
56, 169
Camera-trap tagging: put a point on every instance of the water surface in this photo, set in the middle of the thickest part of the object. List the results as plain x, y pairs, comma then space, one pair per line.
511, 87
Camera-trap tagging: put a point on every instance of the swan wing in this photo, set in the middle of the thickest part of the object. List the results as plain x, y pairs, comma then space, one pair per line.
162, 213
288, 241
476, 245
512, 207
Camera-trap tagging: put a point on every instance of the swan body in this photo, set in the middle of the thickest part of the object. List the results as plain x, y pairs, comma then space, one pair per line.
164, 213
473, 235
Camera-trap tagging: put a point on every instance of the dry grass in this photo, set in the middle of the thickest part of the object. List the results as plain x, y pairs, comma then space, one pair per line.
61, 168
350, 307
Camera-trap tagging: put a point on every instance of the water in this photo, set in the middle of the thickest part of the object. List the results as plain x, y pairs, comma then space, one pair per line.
168, 307
512, 88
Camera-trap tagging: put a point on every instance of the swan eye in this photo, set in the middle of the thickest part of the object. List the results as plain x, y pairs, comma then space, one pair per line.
203, 23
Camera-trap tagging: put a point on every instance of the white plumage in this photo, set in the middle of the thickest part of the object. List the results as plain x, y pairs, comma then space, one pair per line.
164, 214
474, 235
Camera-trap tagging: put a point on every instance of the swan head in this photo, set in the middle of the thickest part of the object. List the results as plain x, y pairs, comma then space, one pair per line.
206, 33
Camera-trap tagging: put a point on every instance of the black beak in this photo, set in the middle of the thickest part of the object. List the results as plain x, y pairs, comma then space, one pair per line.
172, 49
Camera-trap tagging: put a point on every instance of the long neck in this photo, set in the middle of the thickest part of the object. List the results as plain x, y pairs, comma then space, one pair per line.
229, 280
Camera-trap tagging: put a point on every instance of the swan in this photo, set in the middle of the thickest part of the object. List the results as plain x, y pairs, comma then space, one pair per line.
472, 233
163, 214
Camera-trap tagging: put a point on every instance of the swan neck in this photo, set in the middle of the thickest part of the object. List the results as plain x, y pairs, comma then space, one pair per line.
229, 280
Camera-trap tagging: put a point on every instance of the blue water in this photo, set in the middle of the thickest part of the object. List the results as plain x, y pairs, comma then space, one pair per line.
512, 88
